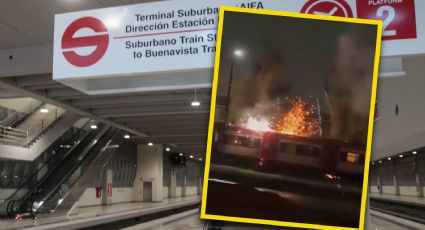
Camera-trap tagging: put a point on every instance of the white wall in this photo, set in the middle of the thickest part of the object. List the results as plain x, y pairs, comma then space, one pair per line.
25, 105
149, 168
407, 191
89, 198
179, 191
373, 189
165, 192
395, 134
6, 192
191, 190
388, 189
119, 195
29, 154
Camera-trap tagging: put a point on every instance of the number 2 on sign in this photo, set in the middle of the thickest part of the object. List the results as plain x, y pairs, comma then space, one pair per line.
387, 21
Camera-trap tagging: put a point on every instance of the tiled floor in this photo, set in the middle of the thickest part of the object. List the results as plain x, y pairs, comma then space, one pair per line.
377, 223
193, 222
94, 213
188, 221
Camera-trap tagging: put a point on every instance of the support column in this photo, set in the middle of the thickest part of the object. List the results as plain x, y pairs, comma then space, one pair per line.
184, 182
379, 185
396, 187
200, 185
419, 181
200, 179
173, 182
107, 187
149, 173
395, 179
419, 186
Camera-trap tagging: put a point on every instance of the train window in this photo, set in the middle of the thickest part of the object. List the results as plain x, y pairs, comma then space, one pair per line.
307, 150
242, 141
350, 157
250, 142
299, 149
287, 148
353, 157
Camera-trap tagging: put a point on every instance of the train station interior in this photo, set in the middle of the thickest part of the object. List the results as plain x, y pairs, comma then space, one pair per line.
134, 159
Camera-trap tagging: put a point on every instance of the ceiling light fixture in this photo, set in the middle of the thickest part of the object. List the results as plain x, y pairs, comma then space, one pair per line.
401, 155
167, 149
181, 154
238, 52
414, 152
150, 143
126, 136
44, 109
191, 156
389, 158
93, 126
195, 103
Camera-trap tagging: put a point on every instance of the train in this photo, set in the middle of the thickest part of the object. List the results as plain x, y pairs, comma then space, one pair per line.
272, 148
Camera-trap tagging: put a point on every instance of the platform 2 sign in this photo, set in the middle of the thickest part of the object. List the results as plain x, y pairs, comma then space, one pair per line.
398, 16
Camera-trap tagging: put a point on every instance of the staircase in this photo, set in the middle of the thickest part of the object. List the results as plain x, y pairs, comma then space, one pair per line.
31, 127
14, 119
37, 116
18, 116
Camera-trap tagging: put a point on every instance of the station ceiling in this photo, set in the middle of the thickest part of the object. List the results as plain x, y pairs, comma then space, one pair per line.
29, 23
162, 117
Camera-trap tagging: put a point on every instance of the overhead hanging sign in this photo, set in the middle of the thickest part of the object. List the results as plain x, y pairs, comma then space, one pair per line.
171, 44
399, 21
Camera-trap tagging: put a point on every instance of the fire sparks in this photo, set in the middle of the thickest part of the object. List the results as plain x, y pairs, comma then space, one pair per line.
298, 120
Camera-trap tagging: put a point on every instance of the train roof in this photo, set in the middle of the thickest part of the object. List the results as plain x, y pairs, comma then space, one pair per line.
316, 140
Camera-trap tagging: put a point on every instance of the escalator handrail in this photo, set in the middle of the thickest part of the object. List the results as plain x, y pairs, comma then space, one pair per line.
71, 171
66, 178
42, 167
9, 205
45, 163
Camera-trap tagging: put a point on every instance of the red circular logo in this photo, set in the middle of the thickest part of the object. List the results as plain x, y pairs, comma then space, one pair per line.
70, 43
328, 7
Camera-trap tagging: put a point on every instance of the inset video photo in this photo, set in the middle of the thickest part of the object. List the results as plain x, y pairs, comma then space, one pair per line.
290, 134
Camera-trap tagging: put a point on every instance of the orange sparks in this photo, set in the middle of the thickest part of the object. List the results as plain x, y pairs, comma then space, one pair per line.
297, 121
300, 120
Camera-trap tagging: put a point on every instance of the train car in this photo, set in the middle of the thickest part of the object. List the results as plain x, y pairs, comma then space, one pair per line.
280, 150
243, 143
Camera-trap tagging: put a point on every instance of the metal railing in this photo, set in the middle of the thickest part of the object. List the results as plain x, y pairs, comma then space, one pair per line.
12, 119
23, 138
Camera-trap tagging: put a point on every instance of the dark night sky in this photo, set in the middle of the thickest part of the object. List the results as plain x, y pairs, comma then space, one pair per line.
308, 47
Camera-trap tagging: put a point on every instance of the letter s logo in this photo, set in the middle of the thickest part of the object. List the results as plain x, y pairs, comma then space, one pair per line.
100, 41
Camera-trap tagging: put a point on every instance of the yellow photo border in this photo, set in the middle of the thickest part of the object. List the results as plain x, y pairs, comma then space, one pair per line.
223, 9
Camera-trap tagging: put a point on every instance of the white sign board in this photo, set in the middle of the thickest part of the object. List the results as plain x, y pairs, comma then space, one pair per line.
143, 47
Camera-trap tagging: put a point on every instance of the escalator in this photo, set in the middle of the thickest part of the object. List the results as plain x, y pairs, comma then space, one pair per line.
52, 156
73, 162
